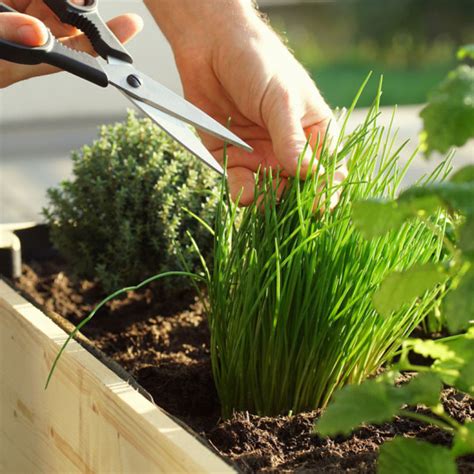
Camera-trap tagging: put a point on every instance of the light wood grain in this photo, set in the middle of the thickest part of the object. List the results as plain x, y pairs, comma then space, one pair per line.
88, 420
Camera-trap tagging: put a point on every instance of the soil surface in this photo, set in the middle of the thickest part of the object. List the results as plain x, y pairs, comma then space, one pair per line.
164, 344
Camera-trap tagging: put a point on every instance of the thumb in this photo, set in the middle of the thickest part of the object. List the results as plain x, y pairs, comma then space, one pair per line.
23, 29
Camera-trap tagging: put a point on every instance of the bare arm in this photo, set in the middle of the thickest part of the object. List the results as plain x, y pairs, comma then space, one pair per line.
233, 65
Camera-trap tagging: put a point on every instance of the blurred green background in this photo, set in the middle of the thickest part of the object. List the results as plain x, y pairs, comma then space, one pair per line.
411, 42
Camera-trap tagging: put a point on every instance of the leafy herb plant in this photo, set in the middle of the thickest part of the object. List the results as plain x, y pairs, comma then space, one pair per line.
290, 292
448, 117
378, 400
120, 218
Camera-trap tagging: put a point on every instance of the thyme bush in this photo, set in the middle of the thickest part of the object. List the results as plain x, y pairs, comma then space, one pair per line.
120, 218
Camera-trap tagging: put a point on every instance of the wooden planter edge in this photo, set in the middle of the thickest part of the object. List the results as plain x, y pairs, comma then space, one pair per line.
89, 419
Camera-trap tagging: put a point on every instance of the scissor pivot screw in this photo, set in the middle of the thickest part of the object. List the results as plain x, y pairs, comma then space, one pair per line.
134, 81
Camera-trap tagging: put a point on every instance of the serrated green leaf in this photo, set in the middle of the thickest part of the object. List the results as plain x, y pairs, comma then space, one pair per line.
374, 218
454, 357
411, 456
400, 288
424, 389
457, 196
374, 401
434, 349
465, 381
458, 305
464, 440
466, 238
449, 116
463, 175
465, 52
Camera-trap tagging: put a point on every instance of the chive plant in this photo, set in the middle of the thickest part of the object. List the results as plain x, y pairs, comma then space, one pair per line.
290, 291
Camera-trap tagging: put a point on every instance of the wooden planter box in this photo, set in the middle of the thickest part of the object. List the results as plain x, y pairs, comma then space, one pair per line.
89, 419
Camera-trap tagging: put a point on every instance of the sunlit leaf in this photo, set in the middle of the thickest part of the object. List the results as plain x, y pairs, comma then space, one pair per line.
400, 288
374, 218
449, 116
373, 401
464, 440
465, 380
465, 52
424, 389
411, 456
457, 196
463, 175
458, 305
434, 349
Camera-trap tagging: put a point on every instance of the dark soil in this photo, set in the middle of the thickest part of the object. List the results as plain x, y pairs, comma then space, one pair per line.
164, 344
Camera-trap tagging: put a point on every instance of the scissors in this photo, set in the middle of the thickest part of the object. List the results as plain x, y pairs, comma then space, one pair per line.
168, 110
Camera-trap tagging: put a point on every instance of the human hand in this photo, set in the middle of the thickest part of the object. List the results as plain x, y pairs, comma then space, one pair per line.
28, 28
233, 65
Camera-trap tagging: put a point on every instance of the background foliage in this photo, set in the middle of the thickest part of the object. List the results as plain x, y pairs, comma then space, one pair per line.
411, 42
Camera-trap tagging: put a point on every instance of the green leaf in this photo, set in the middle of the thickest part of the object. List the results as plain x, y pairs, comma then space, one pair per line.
400, 288
463, 175
424, 389
465, 52
466, 237
457, 196
465, 381
411, 456
449, 116
464, 440
458, 305
374, 218
374, 401
454, 360
434, 349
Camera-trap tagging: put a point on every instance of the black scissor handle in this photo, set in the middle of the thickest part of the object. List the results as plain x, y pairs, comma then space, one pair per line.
88, 20
54, 53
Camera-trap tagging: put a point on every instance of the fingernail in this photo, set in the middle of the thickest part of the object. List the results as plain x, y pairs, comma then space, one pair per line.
32, 35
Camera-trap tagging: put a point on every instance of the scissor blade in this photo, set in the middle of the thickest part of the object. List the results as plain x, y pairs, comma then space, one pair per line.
180, 132
160, 97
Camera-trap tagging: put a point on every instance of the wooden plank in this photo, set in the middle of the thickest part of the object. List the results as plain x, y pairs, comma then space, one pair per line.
88, 420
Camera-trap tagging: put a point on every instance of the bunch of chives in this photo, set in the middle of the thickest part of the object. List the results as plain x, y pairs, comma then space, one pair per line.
290, 310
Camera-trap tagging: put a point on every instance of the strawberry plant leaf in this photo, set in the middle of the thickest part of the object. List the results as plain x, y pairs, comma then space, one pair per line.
453, 99
374, 217
424, 389
434, 349
411, 456
466, 238
465, 381
465, 52
464, 440
457, 196
458, 305
454, 360
400, 288
374, 401
463, 175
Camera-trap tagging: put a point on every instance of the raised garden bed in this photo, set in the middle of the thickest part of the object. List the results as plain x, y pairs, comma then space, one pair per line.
90, 419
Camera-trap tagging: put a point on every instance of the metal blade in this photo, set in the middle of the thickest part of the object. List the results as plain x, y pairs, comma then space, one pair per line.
180, 132
139, 86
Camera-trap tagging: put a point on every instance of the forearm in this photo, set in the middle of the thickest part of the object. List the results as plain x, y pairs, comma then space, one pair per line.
179, 19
